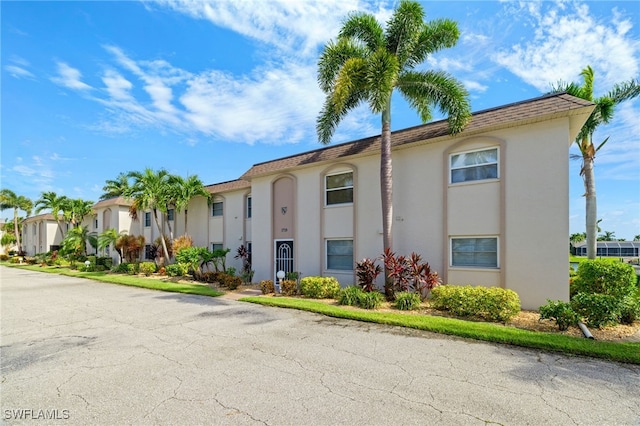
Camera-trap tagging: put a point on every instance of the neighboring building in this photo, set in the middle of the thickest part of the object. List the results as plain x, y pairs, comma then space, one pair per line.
42, 233
610, 248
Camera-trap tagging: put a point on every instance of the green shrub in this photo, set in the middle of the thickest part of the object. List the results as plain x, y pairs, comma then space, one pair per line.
99, 268
231, 271
121, 268
106, 261
177, 270
561, 312
4, 257
30, 260
266, 286
630, 310
605, 277
370, 300
148, 268
133, 268
289, 287
489, 303
597, 310
92, 259
349, 296
319, 287
406, 301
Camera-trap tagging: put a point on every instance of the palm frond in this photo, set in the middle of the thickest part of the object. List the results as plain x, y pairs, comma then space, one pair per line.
403, 29
382, 71
332, 58
351, 78
436, 88
435, 35
363, 28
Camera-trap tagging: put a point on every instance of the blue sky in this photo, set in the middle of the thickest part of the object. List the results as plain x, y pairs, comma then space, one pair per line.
92, 89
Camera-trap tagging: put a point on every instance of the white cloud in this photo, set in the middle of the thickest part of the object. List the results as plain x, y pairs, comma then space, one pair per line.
70, 78
565, 41
290, 26
18, 72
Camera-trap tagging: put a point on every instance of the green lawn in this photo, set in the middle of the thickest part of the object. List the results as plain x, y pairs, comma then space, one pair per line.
622, 352
129, 280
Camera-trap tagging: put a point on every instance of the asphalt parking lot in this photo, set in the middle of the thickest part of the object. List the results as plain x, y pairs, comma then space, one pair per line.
81, 352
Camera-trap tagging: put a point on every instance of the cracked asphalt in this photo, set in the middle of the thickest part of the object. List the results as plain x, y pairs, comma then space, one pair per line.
85, 353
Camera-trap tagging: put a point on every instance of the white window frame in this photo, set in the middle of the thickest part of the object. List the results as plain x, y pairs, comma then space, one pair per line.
342, 188
326, 251
452, 263
147, 219
213, 211
496, 162
249, 212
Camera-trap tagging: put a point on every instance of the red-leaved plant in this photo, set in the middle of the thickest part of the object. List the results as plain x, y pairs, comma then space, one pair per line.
367, 271
410, 274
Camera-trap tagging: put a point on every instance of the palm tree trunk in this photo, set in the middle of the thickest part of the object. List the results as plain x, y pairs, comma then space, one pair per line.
185, 222
164, 244
15, 229
591, 218
386, 191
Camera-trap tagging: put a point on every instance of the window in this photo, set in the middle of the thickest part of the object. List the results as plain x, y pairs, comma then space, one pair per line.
475, 252
340, 255
147, 219
339, 188
216, 208
170, 214
147, 251
474, 165
216, 246
249, 207
95, 224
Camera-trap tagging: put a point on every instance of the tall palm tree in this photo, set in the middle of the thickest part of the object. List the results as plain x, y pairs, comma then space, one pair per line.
186, 189
602, 114
54, 203
150, 191
9, 200
75, 210
368, 62
115, 187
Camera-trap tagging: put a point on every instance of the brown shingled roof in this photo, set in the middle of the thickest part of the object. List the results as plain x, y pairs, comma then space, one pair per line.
43, 216
529, 111
117, 201
231, 185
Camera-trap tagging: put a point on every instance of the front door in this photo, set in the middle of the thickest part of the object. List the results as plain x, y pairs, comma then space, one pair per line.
284, 257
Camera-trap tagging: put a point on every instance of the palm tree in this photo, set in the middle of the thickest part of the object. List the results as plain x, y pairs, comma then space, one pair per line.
75, 210
367, 63
636, 238
9, 200
108, 238
578, 237
115, 187
602, 114
186, 189
76, 240
150, 191
54, 203
607, 236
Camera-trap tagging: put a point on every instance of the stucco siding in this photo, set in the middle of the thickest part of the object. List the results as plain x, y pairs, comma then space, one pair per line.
537, 212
